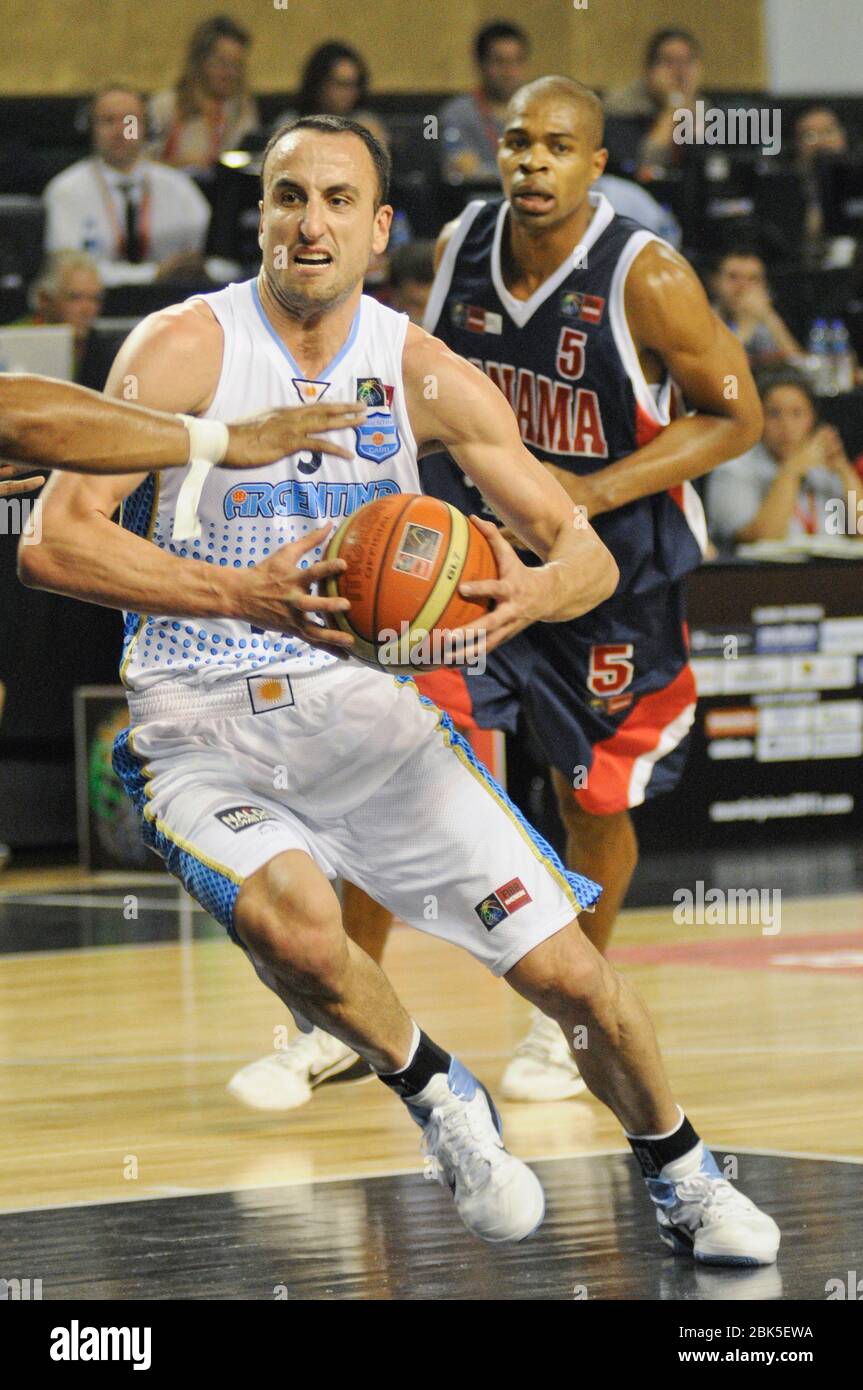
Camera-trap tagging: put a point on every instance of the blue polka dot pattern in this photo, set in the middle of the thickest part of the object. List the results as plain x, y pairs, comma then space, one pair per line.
216, 892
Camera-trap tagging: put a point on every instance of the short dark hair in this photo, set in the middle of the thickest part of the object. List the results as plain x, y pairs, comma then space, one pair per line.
492, 33
743, 250
773, 377
413, 261
339, 125
317, 69
662, 36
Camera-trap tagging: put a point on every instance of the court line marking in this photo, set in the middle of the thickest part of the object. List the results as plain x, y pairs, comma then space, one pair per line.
167, 1191
156, 1058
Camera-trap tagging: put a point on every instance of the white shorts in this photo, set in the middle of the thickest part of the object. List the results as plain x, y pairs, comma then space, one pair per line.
365, 775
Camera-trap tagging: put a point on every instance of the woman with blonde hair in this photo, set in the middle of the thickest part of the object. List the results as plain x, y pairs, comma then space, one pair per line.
211, 108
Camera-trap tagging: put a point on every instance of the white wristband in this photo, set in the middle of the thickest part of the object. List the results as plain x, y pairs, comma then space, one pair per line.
208, 444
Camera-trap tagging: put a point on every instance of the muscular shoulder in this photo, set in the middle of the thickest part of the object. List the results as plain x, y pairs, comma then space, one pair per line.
174, 358
663, 295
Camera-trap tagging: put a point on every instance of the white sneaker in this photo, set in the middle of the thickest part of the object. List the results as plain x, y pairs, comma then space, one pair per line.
702, 1215
284, 1080
542, 1066
496, 1195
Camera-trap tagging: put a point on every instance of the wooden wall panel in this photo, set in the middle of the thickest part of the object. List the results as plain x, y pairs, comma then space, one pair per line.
55, 47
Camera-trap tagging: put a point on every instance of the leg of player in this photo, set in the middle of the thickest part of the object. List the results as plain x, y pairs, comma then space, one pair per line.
605, 849
288, 917
698, 1211
285, 1079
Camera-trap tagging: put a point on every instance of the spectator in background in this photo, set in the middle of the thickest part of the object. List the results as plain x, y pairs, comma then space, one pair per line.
629, 199
335, 82
471, 125
210, 109
742, 301
780, 489
646, 108
138, 220
411, 276
818, 134
68, 289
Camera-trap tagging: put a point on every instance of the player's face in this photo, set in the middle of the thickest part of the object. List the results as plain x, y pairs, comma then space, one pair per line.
319, 226
788, 420
548, 161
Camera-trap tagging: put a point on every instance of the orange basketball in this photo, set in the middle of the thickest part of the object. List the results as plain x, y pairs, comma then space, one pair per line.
406, 556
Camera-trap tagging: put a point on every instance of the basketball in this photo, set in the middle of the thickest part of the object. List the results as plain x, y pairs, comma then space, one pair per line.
406, 557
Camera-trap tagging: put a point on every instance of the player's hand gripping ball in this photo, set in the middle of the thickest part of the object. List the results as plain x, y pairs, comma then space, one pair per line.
406, 557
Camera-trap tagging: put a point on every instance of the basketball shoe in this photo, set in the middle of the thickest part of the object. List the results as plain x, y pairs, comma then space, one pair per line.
496, 1195
700, 1214
542, 1066
285, 1080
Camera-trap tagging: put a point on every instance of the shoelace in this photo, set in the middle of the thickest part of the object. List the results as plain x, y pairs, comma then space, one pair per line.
301, 1053
455, 1133
710, 1193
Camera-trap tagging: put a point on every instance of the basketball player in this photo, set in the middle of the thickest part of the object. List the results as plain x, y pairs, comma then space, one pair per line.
263, 767
53, 424
583, 320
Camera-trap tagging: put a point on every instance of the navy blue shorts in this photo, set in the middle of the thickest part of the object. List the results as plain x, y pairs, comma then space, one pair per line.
611, 696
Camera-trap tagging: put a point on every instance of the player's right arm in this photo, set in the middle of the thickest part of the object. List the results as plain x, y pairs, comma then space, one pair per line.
175, 359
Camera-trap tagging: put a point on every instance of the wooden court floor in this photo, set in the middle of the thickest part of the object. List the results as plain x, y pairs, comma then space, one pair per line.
114, 1059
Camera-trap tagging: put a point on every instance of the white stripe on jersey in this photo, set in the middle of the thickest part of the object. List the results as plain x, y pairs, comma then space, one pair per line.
247, 514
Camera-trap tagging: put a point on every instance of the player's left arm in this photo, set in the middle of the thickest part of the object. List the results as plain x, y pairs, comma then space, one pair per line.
450, 401
670, 317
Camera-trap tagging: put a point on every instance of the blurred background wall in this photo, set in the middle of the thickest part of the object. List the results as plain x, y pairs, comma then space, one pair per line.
420, 45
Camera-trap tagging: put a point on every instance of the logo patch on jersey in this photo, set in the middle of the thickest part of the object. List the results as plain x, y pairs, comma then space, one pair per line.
476, 319
491, 911
269, 692
417, 550
371, 391
587, 307
310, 391
378, 439
238, 818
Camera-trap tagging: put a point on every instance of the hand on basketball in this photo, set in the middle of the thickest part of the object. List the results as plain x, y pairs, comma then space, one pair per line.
277, 595
516, 595
277, 433
14, 470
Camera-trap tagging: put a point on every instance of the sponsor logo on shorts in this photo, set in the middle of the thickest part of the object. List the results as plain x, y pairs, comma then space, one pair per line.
513, 895
491, 911
239, 818
503, 902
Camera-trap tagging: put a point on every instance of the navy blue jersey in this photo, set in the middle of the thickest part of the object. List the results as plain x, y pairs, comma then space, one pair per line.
567, 364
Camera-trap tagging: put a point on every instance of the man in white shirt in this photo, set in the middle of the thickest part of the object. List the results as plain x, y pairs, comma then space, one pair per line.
137, 219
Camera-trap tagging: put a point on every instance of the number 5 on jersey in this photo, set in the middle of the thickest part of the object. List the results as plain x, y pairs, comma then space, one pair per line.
611, 668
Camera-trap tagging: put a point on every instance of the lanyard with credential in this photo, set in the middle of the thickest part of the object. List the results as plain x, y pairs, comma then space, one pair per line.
144, 216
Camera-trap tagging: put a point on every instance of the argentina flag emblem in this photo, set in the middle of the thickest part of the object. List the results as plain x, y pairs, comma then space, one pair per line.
378, 438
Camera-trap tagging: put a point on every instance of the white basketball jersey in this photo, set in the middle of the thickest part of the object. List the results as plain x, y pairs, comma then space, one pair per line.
247, 514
